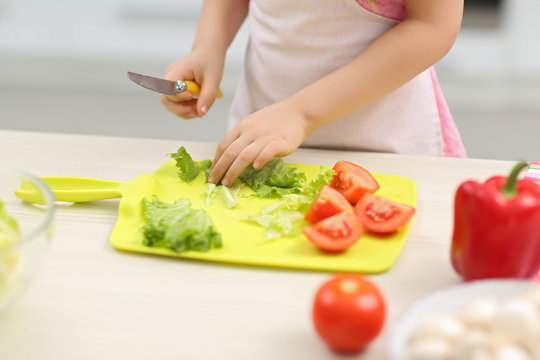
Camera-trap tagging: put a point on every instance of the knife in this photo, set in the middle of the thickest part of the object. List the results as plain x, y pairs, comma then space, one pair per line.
167, 87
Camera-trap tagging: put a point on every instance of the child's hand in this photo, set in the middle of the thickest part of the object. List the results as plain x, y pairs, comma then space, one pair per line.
276, 130
206, 69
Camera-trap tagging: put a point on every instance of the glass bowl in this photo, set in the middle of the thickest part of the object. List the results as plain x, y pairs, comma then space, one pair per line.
22, 250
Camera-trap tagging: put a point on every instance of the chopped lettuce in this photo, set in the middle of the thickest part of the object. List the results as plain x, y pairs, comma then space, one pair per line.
274, 179
9, 229
279, 223
205, 165
210, 193
177, 226
286, 216
187, 168
314, 187
230, 195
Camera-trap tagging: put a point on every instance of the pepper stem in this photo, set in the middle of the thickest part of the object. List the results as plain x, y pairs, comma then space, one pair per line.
509, 189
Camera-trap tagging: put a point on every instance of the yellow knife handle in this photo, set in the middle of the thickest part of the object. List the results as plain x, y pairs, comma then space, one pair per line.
194, 88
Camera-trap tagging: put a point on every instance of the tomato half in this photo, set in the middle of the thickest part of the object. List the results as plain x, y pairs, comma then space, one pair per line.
348, 312
381, 215
329, 202
353, 181
335, 233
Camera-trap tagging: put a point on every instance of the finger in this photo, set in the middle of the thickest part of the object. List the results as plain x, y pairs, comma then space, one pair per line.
241, 162
221, 166
180, 97
227, 140
178, 70
268, 152
186, 109
209, 88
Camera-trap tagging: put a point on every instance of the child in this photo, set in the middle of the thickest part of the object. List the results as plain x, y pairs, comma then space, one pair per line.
334, 74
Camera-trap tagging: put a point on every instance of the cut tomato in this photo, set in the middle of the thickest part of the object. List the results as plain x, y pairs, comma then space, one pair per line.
329, 202
353, 181
335, 233
381, 215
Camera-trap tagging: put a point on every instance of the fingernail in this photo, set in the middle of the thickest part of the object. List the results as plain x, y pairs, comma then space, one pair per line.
210, 179
256, 164
204, 109
225, 182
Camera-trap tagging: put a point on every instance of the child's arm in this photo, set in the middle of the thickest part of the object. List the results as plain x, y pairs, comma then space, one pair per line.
400, 54
218, 24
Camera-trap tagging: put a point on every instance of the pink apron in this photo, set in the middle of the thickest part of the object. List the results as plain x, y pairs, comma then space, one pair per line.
294, 43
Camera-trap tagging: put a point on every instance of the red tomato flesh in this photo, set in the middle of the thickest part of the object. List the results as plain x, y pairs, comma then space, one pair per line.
381, 215
335, 233
353, 181
348, 312
329, 202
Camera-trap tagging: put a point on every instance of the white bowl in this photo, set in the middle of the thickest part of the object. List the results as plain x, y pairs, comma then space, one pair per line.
20, 261
448, 300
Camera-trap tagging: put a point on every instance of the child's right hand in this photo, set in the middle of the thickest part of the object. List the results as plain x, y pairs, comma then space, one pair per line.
203, 67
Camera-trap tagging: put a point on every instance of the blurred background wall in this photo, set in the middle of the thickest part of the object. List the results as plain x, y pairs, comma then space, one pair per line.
63, 64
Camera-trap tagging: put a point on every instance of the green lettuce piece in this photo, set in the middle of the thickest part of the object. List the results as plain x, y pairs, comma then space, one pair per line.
187, 168
9, 228
290, 202
274, 179
314, 187
177, 226
229, 194
205, 166
278, 224
286, 216
210, 193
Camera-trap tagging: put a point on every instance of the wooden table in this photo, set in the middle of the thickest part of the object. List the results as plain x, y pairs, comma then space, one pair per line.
91, 301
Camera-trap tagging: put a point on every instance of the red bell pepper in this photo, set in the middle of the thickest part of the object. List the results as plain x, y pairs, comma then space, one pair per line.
497, 228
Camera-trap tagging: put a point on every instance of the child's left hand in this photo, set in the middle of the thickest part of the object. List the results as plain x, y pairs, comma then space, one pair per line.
276, 130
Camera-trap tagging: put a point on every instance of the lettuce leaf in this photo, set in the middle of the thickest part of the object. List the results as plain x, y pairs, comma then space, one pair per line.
314, 187
187, 168
205, 166
177, 226
230, 194
274, 179
280, 223
286, 216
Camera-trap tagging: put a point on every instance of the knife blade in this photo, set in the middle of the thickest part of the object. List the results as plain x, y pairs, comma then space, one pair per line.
167, 87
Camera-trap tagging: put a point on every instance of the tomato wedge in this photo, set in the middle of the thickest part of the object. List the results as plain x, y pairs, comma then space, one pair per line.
353, 181
381, 215
329, 202
335, 233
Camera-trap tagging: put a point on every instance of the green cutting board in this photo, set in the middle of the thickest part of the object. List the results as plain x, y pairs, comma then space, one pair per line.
244, 242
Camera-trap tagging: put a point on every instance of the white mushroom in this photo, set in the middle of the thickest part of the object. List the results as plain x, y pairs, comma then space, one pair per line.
478, 313
518, 319
444, 326
511, 352
429, 349
472, 345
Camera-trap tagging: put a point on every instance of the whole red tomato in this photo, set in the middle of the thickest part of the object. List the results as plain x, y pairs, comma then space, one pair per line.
348, 312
